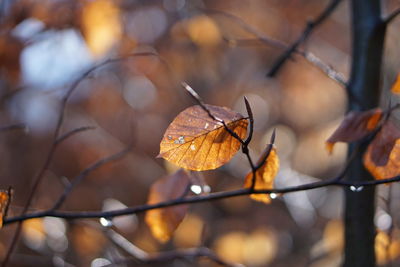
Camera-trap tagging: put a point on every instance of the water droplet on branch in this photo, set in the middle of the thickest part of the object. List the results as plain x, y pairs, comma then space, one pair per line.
273, 195
106, 222
356, 188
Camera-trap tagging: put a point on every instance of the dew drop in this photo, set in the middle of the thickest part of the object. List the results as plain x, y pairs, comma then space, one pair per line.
169, 137
180, 140
196, 189
106, 222
356, 188
205, 126
206, 189
273, 195
192, 147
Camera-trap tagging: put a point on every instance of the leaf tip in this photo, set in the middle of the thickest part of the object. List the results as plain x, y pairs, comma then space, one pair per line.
329, 147
374, 120
246, 102
396, 86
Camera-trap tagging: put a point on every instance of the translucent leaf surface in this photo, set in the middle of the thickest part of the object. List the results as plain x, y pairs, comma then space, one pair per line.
164, 221
194, 141
382, 158
264, 177
355, 126
396, 86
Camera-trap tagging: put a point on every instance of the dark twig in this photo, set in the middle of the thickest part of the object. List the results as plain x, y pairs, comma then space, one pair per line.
38, 178
245, 147
337, 181
125, 244
328, 70
310, 57
265, 156
72, 132
251, 121
78, 179
198, 99
263, 160
311, 26
200, 198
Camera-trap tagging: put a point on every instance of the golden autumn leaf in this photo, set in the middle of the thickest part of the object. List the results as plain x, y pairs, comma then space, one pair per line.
101, 25
355, 126
382, 158
196, 142
264, 176
164, 221
396, 86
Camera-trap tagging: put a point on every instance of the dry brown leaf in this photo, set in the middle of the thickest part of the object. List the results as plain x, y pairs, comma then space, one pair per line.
355, 126
382, 158
396, 86
164, 221
194, 141
264, 177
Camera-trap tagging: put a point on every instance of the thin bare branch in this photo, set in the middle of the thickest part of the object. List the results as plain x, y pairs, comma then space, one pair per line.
251, 121
311, 26
78, 179
126, 245
337, 181
72, 132
39, 176
310, 57
266, 154
328, 70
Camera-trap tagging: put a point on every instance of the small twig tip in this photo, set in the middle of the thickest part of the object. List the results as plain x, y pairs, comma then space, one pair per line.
273, 135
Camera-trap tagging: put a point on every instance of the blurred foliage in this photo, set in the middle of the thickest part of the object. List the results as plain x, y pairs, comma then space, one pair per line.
45, 45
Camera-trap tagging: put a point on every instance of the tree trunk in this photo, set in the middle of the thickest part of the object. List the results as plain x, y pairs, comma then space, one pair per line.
367, 49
